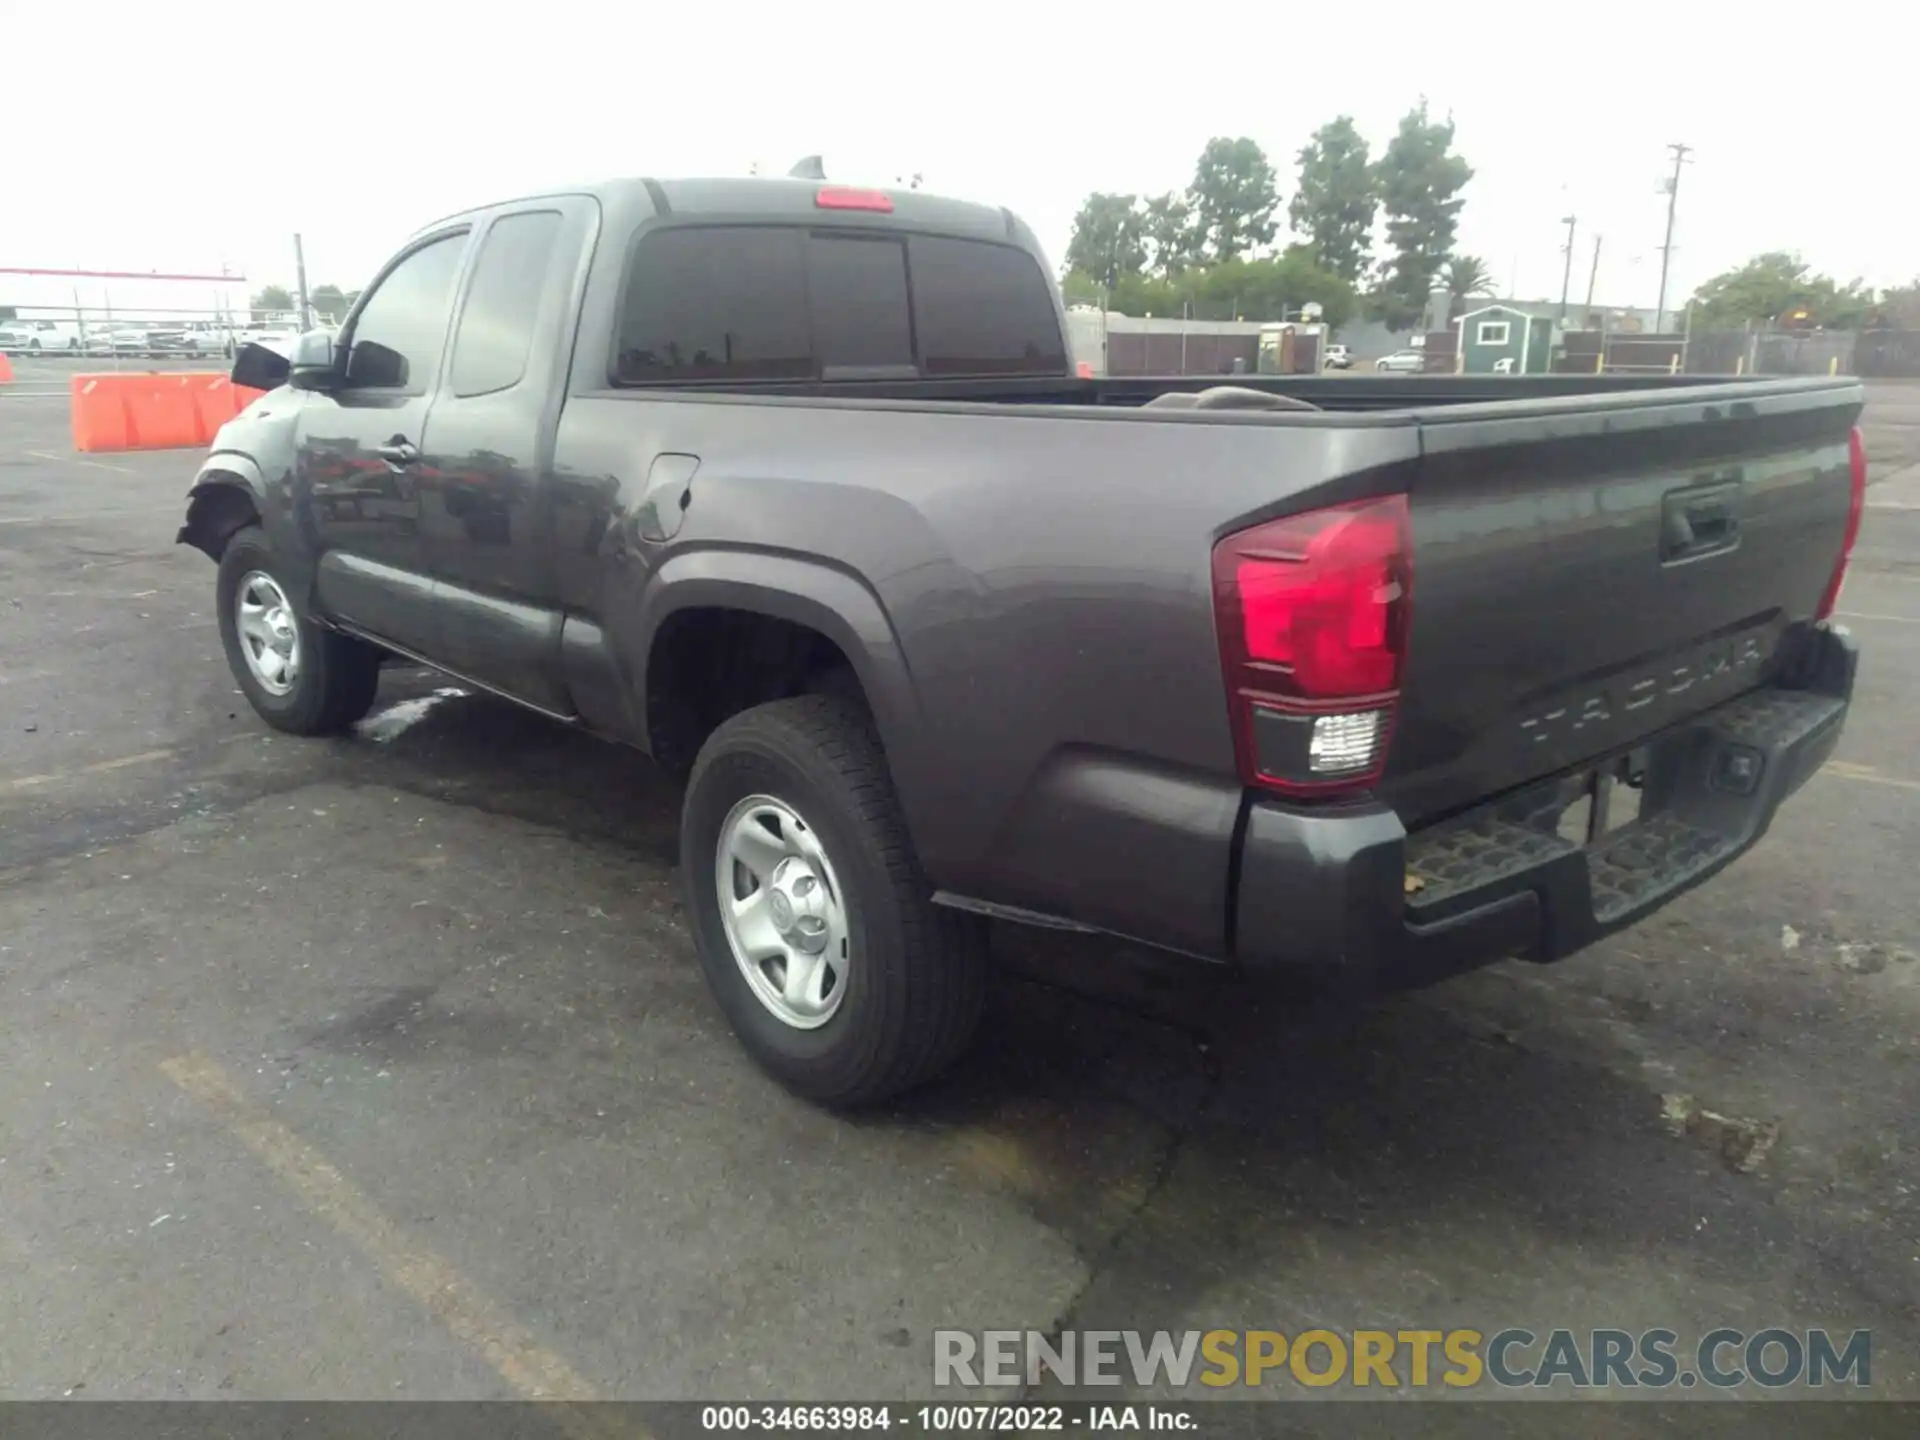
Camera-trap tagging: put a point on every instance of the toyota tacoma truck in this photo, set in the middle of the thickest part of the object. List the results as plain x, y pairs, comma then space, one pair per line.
795, 487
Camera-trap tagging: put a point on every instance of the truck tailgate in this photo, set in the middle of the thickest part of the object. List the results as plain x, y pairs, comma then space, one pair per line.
1589, 572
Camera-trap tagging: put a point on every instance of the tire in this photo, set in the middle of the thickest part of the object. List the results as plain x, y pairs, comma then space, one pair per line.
914, 978
33, 347
336, 676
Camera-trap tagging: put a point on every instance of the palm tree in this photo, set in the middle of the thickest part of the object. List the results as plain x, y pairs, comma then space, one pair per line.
1467, 275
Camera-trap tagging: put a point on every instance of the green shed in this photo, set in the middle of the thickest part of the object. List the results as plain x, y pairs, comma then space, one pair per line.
1501, 340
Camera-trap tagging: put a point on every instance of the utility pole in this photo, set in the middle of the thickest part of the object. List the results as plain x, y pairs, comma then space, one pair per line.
300, 277
1566, 276
1593, 275
1680, 153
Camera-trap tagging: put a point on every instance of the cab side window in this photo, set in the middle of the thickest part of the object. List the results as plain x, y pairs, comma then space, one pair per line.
402, 328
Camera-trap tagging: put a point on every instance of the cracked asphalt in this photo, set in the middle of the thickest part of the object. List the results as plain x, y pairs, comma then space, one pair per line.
381, 1068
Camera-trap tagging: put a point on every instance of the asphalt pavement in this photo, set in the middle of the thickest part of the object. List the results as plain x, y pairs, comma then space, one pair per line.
381, 1067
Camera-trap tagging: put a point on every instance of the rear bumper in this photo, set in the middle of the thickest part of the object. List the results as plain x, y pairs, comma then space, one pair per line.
1354, 902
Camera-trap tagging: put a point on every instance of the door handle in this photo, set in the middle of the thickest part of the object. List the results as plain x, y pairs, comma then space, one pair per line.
1699, 521
398, 451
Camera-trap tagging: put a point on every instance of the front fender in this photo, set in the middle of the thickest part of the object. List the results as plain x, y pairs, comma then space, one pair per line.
249, 474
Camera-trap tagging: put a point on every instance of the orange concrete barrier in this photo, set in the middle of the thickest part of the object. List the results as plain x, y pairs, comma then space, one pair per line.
6, 368
153, 411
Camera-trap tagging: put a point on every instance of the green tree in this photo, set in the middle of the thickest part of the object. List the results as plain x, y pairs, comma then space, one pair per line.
1420, 180
1273, 288
1466, 275
1898, 308
1109, 238
329, 302
1334, 207
1233, 195
271, 297
1172, 233
1778, 287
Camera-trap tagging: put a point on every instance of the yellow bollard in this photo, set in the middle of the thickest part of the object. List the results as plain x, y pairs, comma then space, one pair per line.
1833, 365
1600, 362
1673, 366
1739, 364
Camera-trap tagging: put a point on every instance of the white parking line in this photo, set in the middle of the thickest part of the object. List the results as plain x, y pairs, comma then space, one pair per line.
1863, 615
76, 460
76, 517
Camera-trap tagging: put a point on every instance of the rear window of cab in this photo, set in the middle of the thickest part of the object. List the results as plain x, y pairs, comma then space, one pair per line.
791, 303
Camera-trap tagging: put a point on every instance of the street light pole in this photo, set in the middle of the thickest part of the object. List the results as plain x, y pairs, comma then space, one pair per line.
300, 277
1680, 153
1566, 275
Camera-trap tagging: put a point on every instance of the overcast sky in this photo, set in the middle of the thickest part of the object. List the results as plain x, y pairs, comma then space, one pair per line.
355, 123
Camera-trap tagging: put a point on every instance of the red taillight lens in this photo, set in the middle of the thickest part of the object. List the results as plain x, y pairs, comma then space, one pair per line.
1312, 611
842, 197
1857, 504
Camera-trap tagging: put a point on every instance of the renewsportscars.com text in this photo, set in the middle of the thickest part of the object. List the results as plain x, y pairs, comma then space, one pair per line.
1513, 1358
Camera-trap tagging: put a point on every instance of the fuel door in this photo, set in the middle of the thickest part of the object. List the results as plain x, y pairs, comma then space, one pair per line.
668, 492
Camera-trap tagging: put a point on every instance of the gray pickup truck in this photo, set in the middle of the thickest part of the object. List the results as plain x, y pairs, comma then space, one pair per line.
796, 488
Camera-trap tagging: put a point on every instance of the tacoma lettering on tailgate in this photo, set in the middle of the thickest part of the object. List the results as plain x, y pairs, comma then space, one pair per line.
1639, 700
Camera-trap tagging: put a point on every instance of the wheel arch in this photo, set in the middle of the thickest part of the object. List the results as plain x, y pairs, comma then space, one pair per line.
228, 494
813, 599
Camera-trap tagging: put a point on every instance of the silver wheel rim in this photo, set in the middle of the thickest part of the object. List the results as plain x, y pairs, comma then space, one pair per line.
269, 634
783, 911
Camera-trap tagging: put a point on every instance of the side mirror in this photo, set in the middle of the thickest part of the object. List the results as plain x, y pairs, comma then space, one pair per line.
311, 365
258, 368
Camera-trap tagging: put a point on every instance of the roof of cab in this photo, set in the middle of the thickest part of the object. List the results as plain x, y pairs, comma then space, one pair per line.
773, 197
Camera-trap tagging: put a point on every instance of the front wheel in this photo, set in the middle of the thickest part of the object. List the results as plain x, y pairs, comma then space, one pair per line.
813, 921
297, 676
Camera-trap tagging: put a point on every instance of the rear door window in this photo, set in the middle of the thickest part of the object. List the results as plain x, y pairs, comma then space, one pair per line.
771, 303
503, 301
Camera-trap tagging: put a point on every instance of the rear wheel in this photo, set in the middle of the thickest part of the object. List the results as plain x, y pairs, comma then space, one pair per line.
297, 676
813, 921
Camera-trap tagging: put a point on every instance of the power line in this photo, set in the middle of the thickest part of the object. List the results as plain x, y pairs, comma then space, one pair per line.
1680, 153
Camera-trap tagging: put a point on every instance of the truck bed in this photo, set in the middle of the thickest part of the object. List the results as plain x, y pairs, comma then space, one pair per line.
1038, 556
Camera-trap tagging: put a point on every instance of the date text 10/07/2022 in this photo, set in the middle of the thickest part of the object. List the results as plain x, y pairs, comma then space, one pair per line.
941, 1419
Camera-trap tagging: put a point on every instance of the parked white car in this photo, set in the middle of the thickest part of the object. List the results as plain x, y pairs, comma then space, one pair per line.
31, 337
1404, 362
207, 337
274, 335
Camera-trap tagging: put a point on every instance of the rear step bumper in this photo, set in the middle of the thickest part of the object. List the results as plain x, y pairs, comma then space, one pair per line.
1351, 900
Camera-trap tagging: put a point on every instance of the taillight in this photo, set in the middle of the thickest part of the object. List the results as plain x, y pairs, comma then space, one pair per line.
1856, 505
1312, 611
844, 197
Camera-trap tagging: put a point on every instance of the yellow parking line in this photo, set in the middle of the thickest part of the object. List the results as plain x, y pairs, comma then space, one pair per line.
1847, 770
516, 1357
104, 767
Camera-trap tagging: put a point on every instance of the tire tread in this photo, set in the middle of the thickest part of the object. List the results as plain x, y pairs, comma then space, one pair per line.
939, 990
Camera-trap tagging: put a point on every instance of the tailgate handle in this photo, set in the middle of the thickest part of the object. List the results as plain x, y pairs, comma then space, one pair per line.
1700, 520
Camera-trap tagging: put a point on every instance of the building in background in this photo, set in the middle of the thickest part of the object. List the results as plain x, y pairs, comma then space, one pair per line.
1504, 339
